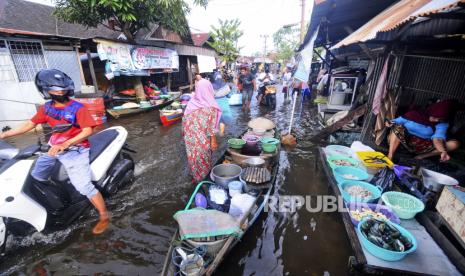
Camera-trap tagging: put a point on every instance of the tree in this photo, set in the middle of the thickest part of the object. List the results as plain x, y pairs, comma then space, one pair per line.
286, 41
126, 16
257, 54
225, 38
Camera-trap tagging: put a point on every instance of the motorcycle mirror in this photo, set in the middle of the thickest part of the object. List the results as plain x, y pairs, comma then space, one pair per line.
61, 128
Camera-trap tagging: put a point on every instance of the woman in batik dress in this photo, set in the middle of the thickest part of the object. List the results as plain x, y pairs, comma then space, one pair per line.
200, 122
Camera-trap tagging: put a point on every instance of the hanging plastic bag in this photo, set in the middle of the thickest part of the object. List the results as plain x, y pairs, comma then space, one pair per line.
384, 179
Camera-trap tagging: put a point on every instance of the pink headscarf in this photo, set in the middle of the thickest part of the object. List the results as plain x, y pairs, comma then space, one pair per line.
204, 98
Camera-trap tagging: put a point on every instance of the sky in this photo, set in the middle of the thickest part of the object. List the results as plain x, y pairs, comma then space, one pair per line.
258, 17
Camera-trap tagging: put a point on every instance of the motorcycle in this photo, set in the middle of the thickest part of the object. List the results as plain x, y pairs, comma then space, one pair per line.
27, 204
268, 92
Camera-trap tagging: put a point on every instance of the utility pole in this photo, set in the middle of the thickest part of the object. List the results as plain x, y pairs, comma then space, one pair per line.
302, 22
264, 52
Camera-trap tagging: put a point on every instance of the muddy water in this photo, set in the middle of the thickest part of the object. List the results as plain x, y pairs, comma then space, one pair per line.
298, 243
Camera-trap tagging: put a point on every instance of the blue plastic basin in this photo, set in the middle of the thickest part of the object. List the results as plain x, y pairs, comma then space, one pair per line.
385, 254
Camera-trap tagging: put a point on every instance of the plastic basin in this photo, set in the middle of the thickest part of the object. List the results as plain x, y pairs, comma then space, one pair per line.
339, 150
385, 254
350, 173
267, 140
269, 148
332, 158
404, 205
236, 143
251, 140
352, 206
374, 190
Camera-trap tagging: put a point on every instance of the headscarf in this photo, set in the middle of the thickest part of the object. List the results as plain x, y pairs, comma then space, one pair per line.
204, 97
442, 110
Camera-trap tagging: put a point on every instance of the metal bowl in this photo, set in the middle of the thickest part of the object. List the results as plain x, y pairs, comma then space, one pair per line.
224, 173
435, 181
254, 162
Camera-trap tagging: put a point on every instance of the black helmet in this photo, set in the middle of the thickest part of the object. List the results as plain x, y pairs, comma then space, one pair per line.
53, 80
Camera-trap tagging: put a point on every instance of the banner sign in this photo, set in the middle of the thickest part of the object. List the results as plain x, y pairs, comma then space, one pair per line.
154, 58
133, 60
305, 63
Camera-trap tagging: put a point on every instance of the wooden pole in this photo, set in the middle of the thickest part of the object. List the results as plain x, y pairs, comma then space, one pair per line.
189, 72
352, 115
302, 23
139, 87
92, 71
169, 82
81, 71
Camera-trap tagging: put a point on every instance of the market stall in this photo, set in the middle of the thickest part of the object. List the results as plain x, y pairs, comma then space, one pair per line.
419, 253
139, 75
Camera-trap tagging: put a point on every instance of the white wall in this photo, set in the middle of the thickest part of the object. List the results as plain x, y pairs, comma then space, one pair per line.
11, 112
25, 94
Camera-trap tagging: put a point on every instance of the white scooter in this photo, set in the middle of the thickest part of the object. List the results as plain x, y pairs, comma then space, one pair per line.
55, 204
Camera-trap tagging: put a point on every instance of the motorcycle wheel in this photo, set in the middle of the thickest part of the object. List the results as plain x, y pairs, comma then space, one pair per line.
3, 246
125, 177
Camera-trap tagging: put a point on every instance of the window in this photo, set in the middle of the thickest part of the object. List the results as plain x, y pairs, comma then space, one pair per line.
28, 58
7, 70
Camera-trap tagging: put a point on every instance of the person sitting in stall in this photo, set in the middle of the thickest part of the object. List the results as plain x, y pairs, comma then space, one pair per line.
424, 132
199, 123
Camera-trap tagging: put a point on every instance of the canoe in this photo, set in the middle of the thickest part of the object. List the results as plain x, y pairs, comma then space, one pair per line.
215, 250
116, 113
169, 118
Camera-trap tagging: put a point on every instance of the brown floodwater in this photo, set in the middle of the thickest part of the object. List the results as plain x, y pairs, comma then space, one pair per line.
279, 243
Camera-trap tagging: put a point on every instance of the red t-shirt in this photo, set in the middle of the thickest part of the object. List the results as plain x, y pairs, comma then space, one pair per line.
83, 119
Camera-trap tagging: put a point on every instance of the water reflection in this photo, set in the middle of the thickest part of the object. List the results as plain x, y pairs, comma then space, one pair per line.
136, 243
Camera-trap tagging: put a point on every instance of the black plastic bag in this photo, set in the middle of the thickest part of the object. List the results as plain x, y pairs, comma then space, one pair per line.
384, 179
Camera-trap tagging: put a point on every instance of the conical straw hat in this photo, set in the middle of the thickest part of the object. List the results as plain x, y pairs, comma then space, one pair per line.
261, 122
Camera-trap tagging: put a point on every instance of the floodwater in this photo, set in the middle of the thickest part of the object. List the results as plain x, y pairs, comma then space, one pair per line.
279, 243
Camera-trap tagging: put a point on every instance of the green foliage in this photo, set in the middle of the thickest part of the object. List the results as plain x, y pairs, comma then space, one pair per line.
225, 38
286, 41
127, 16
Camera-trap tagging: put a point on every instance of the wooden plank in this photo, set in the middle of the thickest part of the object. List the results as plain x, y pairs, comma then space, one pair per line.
92, 71
352, 235
167, 263
352, 115
449, 249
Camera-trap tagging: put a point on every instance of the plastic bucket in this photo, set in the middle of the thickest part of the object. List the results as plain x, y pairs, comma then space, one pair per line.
235, 187
337, 98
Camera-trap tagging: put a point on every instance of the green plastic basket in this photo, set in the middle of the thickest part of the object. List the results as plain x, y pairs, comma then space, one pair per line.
404, 205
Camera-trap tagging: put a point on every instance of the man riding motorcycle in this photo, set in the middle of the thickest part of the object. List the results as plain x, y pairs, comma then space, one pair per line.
265, 78
71, 148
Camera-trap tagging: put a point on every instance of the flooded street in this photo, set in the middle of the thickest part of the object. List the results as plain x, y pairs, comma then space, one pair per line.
299, 243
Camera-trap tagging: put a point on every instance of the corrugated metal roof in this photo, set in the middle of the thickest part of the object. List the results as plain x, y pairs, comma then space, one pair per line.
200, 38
397, 15
8, 31
336, 16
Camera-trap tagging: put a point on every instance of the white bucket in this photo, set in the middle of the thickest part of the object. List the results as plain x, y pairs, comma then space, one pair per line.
337, 98
235, 188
